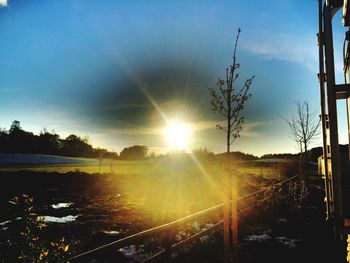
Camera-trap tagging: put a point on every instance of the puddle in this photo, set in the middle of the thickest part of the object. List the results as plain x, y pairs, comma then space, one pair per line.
54, 219
61, 205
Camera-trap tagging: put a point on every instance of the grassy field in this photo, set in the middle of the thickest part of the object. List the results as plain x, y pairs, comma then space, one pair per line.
167, 165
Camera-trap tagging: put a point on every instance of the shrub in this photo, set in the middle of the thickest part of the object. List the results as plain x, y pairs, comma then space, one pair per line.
21, 239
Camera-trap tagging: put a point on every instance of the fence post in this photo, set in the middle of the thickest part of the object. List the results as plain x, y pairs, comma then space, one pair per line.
235, 217
167, 242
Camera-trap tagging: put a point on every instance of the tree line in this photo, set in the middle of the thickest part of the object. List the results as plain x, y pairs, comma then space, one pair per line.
17, 140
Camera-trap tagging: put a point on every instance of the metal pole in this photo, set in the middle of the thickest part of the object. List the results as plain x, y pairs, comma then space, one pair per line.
333, 123
328, 186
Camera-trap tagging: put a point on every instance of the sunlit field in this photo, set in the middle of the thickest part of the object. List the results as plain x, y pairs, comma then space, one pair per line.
164, 188
174, 131
159, 166
92, 204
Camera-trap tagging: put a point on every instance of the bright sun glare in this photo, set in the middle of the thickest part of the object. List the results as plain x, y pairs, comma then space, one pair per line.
177, 135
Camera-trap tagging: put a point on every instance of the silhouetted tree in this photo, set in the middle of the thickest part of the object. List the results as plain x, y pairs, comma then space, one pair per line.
17, 140
152, 155
15, 127
229, 101
203, 153
4, 141
136, 152
20, 140
75, 146
48, 143
303, 127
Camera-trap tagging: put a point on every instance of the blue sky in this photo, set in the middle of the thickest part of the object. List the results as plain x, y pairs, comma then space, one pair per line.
105, 68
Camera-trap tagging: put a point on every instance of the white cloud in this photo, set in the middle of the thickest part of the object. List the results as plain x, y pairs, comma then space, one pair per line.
3, 3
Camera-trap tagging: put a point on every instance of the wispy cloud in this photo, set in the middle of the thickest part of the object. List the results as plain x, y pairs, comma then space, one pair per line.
3, 3
283, 46
291, 47
249, 129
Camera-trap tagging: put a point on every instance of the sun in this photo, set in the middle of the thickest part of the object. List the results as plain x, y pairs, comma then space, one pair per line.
177, 135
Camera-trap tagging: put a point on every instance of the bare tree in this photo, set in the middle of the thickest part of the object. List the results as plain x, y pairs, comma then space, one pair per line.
303, 127
229, 101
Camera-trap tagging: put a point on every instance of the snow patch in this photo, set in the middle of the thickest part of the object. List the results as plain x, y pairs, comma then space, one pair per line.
61, 205
5, 222
134, 253
54, 219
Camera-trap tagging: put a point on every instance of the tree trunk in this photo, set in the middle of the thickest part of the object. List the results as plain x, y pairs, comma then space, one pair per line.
226, 186
305, 152
305, 159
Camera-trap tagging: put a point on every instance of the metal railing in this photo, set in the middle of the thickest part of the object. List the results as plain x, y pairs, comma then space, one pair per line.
169, 230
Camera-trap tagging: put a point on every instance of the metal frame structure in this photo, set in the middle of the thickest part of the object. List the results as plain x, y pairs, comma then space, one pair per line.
330, 92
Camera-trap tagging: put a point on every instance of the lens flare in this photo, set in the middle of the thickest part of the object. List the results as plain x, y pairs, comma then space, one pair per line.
177, 135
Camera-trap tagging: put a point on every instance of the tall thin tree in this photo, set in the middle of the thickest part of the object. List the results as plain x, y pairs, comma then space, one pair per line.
229, 101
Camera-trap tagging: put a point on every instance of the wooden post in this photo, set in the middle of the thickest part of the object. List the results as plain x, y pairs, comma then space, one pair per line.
100, 161
167, 243
226, 216
235, 217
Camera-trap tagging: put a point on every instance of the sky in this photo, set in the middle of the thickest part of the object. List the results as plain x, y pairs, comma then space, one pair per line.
119, 71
